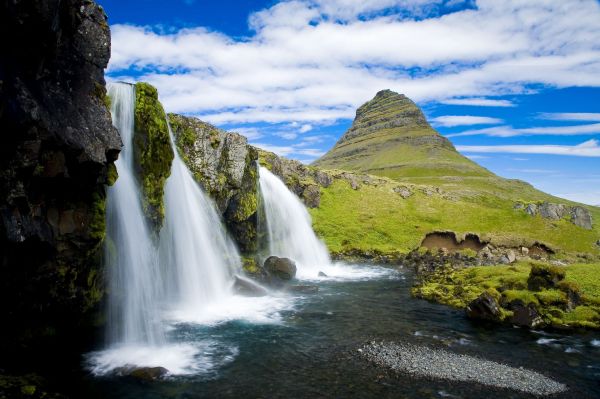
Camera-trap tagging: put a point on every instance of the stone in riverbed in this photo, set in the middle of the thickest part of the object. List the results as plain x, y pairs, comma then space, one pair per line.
525, 316
484, 307
283, 268
321, 274
145, 374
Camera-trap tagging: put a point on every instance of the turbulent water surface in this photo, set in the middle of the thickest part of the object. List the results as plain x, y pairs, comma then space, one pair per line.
295, 346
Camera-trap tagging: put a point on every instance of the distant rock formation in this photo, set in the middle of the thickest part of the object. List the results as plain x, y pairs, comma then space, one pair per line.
577, 215
57, 153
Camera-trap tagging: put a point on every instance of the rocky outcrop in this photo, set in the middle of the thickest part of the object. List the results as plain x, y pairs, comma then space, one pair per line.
225, 166
577, 215
57, 153
484, 307
282, 268
153, 154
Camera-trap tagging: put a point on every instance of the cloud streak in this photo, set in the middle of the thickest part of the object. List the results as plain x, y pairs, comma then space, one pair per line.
464, 120
588, 148
507, 131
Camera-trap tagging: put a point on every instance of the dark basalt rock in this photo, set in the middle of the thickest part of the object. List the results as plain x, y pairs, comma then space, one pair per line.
322, 274
282, 268
57, 152
303, 289
524, 315
142, 374
484, 307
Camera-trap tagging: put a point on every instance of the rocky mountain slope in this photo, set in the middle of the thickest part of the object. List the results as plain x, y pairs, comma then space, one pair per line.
391, 137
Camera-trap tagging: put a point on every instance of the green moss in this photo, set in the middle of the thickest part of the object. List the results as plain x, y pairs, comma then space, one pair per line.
544, 276
28, 390
246, 206
100, 92
152, 151
250, 265
112, 174
457, 287
97, 226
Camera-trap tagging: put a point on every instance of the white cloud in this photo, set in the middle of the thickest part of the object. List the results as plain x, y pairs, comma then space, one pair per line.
507, 131
251, 133
315, 60
464, 120
572, 116
479, 102
305, 128
588, 148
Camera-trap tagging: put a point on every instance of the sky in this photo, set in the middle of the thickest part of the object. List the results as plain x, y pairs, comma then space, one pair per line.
514, 84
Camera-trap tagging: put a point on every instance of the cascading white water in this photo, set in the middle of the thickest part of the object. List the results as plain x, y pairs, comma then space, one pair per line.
289, 227
193, 241
134, 279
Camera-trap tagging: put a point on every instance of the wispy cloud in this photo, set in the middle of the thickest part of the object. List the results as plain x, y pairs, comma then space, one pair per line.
508, 131
479, 102
571, 116
315, 60
589, 148
464, 120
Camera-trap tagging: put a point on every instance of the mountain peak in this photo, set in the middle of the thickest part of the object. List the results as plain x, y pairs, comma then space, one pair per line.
390, 136
386, 110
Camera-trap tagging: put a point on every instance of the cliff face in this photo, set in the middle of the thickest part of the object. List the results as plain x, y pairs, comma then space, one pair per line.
225, 166
57, 152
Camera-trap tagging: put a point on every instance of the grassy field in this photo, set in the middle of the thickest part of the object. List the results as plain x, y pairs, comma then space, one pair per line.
510, 283
375, 217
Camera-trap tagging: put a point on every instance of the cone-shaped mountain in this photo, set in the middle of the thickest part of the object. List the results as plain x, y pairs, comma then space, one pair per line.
391, 137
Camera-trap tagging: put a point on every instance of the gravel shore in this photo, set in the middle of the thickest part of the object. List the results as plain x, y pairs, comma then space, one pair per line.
422, 361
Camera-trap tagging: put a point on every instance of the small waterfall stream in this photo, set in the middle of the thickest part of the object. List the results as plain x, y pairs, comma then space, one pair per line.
193, 242
289, 227
134, 278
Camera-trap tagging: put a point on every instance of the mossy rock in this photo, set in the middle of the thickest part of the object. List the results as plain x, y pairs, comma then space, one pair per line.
152, 151
544, 276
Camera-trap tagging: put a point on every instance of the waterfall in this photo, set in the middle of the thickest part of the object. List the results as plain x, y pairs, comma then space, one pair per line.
132, 263
289, 227
194, 243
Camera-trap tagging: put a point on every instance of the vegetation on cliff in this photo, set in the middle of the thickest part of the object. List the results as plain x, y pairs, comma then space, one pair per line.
152, 151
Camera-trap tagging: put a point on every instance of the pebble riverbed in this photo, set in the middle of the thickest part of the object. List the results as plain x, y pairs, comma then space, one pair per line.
422, 361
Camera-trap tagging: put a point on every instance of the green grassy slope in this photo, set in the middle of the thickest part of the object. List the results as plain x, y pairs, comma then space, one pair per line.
375, 217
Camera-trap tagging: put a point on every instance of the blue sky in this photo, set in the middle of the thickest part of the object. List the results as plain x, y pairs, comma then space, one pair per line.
515, 85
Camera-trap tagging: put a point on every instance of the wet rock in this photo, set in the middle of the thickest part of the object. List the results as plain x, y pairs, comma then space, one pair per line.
321, 274
484, 307
246, 287
282, 268
145, 374
581, 217
525, 315
58, 146
303, 289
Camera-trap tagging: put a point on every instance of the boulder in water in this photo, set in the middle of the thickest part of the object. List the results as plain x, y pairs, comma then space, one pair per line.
145, 374
322, 274
484, 307
283, 268
243, 286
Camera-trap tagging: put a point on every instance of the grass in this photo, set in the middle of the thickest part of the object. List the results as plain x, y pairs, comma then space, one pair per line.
458, 287
374, 217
